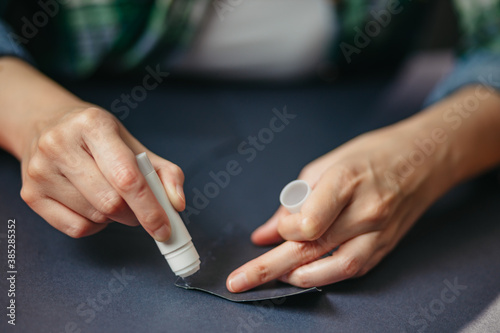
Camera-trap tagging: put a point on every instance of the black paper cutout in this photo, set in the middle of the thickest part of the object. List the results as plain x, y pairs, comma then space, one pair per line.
269, 291
226, 254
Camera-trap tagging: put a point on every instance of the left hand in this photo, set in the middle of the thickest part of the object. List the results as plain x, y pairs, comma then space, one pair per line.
362, 202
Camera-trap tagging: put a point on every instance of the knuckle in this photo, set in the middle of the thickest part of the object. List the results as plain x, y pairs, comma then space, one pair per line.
98, 217
177, 172
93, 120
28, 195
90, 114
36, 169
376, 211
79, 230
350, 266
152, 218
302, 279
262, 272
305, 251
110, 204
50, 141
348, 178
127, 179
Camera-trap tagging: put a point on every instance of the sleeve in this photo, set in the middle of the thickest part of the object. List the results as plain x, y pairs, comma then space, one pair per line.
11, 43
479, 67
478, 61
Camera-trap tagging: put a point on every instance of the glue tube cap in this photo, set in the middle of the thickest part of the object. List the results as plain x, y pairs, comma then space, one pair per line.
294, 195
184, 261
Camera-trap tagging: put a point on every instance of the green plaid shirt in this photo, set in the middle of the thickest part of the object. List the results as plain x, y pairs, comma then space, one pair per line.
85, 36
111, 35
479, 23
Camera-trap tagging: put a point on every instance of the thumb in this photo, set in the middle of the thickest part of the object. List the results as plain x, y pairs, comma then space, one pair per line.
172, 178
267, 233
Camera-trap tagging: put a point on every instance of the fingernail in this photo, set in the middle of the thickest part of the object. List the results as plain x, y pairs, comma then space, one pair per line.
238, 283
162, 234
180, 192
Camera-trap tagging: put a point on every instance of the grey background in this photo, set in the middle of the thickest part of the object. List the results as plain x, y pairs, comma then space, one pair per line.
199, 127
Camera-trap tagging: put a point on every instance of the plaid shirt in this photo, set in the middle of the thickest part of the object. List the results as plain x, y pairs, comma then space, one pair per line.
480, 23
119, 35
479, 20
115, 35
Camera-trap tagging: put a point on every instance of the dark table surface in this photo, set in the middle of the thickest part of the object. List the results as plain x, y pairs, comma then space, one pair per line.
199, 127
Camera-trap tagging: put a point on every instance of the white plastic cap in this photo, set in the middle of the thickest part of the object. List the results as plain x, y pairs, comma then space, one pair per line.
294, 195
184, 261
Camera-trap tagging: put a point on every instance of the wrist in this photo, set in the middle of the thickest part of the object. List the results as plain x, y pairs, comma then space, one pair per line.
457, 140
29, 100
422, 165
472, 123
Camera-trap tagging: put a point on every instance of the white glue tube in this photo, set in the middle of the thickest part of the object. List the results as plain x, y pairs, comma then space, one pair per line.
294, 195
179, 250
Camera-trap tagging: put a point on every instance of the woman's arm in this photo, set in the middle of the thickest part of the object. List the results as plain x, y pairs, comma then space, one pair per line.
370, 191
78, 161
29, 100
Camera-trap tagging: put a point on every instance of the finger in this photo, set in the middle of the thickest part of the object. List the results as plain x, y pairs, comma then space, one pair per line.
173, 178
331, 195
374, 260
170, 174
66, 220
313, 172
67, 195
272, 265
85, 190
362, 216
42, 179
349, 259
118, 165
268, 233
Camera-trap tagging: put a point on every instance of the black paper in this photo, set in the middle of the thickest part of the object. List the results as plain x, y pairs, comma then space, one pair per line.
218, 262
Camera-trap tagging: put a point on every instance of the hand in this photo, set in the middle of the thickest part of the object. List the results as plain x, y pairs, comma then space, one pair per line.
80, 173
362, 202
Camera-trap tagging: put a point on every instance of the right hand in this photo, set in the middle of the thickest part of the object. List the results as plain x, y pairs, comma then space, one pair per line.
80, 173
